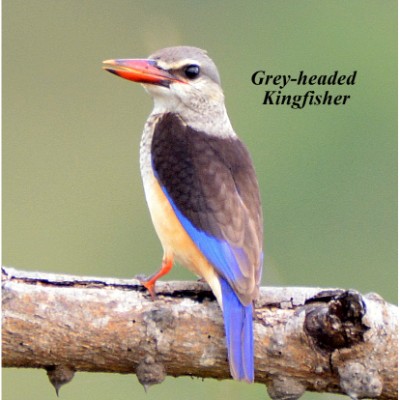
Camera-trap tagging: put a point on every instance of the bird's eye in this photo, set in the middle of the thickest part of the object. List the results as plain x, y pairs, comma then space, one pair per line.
192, 71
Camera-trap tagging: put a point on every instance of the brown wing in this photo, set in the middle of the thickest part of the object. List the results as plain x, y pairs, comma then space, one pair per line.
212, 182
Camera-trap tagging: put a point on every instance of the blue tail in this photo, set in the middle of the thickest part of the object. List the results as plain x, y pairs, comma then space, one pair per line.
238, 321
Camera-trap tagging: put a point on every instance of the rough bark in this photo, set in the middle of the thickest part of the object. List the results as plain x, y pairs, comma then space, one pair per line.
324, 340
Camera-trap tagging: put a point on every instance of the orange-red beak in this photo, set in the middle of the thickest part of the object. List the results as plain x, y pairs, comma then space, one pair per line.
140, 70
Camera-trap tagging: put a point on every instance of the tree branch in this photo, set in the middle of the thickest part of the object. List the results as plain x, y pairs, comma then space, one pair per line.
334, 341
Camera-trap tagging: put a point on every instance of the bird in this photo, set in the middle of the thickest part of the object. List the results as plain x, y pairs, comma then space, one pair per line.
201, 188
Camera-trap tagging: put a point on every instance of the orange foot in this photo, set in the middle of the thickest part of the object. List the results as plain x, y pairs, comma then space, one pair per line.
150, 282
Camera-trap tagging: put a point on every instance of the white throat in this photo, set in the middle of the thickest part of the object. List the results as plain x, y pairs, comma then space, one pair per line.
204, 115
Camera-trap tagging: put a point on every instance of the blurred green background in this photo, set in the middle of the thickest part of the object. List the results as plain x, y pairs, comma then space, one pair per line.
72, 193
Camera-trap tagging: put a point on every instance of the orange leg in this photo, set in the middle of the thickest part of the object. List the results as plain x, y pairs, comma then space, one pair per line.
150, 282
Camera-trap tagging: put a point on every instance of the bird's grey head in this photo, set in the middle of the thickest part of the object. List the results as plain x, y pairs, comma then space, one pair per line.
198, 83
179, 59
182, 80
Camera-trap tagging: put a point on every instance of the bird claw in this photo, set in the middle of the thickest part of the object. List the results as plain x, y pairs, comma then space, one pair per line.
149, 284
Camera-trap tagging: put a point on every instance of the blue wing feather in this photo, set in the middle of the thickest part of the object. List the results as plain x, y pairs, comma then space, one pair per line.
217, 251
